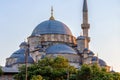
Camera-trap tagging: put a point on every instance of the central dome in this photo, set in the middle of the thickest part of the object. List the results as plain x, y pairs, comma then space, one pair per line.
51, 27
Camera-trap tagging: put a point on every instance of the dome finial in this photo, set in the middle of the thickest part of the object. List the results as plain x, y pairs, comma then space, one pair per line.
52, 18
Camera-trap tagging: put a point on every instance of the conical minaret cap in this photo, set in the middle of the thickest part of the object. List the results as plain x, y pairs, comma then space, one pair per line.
85, 8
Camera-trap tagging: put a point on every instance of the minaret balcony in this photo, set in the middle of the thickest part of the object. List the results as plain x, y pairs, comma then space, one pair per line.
85, 26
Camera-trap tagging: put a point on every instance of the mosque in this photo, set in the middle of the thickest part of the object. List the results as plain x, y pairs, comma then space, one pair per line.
53, 38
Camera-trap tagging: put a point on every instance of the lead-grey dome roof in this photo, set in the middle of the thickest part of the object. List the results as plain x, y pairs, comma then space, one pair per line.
60, 49
18, 53
101, 62
20, 56
51, 27
81, 38
24, 44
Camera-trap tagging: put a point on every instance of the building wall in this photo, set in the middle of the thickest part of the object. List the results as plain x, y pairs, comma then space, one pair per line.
38, 40
7, 77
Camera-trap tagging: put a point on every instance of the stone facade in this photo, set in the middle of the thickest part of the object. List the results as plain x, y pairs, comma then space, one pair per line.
7, 77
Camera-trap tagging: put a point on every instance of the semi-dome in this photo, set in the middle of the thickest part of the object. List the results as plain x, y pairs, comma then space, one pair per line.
101, 62
60, 49
51, 27
22, 60
20, 55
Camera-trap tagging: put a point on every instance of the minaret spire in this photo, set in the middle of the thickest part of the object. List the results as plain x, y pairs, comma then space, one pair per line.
52, 18
85, 26
85, 9
85, 12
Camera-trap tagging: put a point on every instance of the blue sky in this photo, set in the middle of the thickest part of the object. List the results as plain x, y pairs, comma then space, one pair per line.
18, 18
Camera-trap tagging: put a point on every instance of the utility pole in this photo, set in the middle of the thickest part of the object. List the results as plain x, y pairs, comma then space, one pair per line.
68, 75
26, 60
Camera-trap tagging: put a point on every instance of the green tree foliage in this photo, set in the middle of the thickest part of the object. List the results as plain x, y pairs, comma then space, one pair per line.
50, 69
116, 76
94, 72
84, 73
59, 69
38, 77
1, 70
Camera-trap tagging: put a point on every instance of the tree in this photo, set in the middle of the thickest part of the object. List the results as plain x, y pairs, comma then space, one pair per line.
49, 68
116, 76
84, 73
38, 77
1, 70
95, 72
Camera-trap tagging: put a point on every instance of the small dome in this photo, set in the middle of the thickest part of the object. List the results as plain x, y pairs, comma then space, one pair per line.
91, 53
51, 27
94, 58
86, 49
81, 38
60, 49
24, 44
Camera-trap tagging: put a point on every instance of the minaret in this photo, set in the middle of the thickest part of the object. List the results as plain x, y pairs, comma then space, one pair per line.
85, 25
